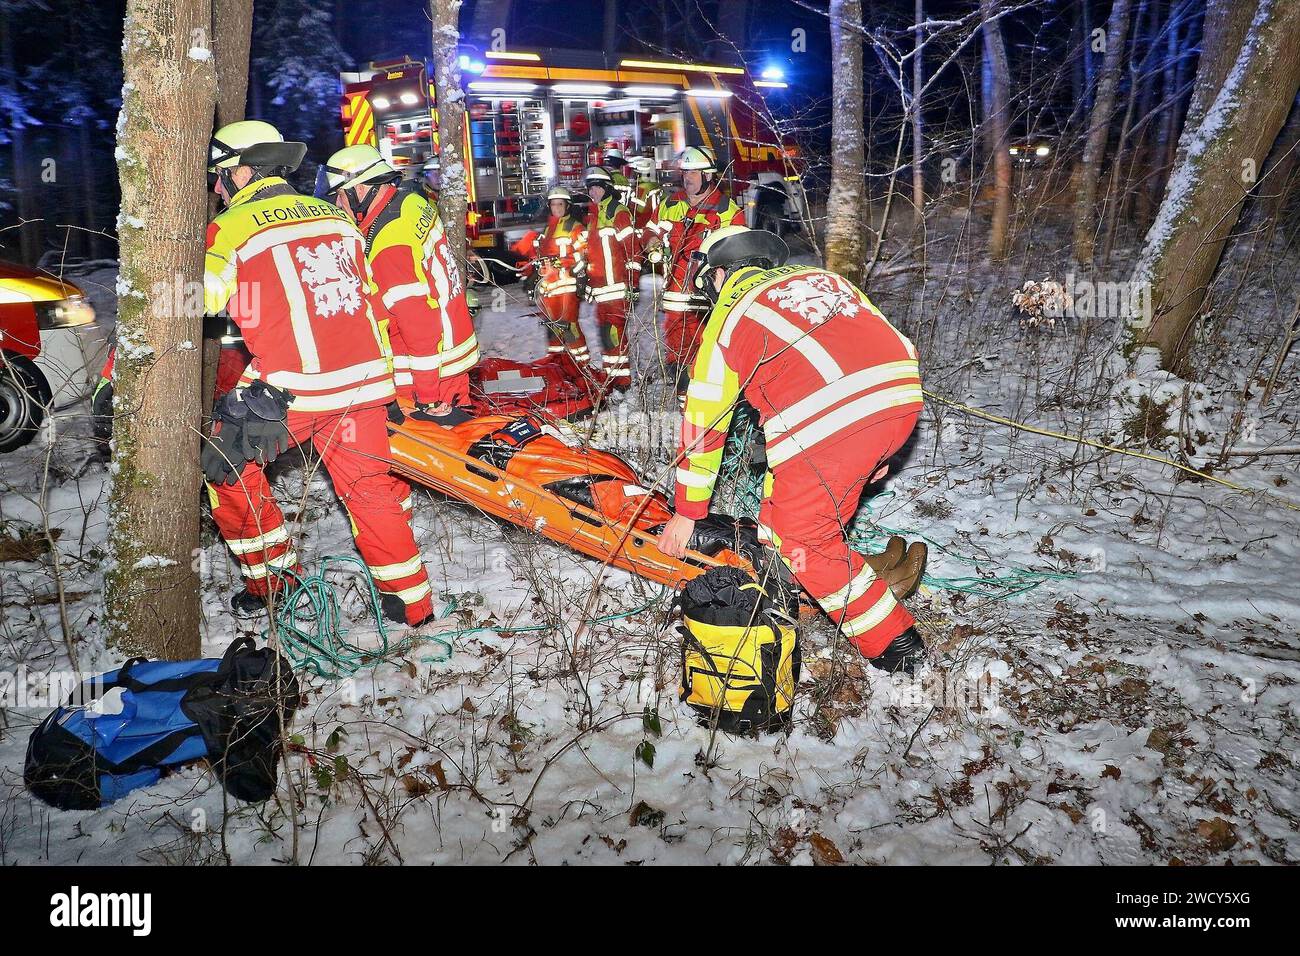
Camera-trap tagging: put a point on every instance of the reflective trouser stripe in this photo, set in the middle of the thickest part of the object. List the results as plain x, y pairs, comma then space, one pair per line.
259, 542
784, 446
393, 572
414, 593
873, 617
285, 562
678, 302
850, 592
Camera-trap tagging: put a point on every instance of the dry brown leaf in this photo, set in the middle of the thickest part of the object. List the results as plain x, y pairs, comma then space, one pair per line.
415, 786
440, 775
1218, 833
824, 852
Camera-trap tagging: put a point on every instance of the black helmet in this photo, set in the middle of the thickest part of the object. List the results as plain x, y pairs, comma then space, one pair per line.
733, 246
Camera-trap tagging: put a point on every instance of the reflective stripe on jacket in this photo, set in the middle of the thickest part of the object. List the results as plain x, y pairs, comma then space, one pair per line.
809, 351
292, 273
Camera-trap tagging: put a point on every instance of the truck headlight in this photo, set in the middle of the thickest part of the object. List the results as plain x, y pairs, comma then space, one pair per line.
64, 313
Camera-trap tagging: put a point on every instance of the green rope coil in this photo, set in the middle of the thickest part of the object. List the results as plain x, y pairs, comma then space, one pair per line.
308, 623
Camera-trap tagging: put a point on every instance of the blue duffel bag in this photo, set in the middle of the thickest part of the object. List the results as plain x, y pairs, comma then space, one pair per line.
127, 728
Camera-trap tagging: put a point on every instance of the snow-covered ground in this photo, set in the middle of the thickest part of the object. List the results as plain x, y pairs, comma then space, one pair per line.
1138, 706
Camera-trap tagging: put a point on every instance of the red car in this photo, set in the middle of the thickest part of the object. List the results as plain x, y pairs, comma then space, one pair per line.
50, 351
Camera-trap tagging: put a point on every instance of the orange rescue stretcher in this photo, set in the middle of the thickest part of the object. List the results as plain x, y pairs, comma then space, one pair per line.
523, 470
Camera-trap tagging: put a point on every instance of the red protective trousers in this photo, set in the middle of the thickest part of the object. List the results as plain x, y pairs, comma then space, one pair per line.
684, 316
354, 449
806, 513
611, 316
560, 316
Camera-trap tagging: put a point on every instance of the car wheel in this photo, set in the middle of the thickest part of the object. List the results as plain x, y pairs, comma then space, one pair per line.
24, 397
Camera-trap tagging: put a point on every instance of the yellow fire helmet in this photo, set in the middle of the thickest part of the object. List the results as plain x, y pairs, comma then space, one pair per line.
697, 157
354, 166
253, 143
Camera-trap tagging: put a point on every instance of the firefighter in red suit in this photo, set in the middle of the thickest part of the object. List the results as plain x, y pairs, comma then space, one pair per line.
419, 294
684, 220
554, 265
609, 245
320, 372
645, 199
837, 390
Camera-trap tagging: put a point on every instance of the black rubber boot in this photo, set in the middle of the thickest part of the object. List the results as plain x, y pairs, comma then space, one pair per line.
904, 655
247, 604
395, 610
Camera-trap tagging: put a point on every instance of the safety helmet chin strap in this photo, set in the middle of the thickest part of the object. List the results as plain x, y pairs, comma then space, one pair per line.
226, 176
361, 206
701, 276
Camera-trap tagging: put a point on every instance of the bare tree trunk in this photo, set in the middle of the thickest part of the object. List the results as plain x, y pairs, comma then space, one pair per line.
232, 33
1117, 189
918, 130
998, 111
30, 231
232, 37
845, 205
1238, 126
453, 199
611, 26
1094, 149
86, 154
1089, 61
1224, 32
1179, 38
1280, 169
1142, 159
151, 593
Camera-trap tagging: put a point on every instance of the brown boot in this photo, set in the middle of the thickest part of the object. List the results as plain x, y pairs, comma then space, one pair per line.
904, 577
894, 552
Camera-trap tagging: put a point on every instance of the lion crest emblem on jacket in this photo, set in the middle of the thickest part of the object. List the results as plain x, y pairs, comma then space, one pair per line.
330, 272
817, 297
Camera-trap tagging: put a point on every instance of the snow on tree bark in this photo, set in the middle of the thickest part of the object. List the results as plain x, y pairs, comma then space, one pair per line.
1206, 190
998, 112
845, 205
1222, 35
453, 201
168, 97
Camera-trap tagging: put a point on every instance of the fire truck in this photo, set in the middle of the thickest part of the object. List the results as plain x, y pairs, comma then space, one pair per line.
535, 119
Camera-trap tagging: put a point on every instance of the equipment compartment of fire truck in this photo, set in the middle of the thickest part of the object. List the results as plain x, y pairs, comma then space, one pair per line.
537, 119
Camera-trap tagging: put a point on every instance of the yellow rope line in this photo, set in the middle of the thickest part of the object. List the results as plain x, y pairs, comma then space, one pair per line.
980, 413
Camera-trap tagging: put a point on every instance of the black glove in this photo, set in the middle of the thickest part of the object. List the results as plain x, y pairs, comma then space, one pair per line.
262, 441
222, 457
259, 414
395, 413
905, 654
584, 289
530, 283
455, 416
267, 402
